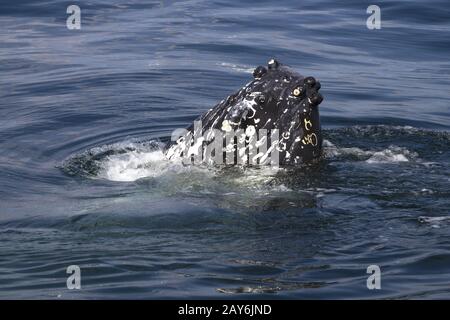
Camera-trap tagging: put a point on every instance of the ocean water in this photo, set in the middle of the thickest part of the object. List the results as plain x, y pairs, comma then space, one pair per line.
83, 180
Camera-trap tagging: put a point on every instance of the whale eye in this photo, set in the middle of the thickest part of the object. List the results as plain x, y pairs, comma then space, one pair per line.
297, 91
259, 72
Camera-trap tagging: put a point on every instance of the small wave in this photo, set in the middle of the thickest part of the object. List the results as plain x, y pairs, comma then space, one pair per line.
391, 154
381, 130
435, 222
278, 287
235, 67
331, 151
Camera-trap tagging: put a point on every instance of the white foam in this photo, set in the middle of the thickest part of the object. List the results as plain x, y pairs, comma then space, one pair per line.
392, 154
133, 165
258, 179
132, 160
435, 222
281, 188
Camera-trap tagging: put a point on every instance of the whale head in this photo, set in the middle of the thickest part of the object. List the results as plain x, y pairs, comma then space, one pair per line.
277, 98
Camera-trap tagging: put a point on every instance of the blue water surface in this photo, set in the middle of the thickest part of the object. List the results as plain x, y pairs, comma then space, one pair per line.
83, 180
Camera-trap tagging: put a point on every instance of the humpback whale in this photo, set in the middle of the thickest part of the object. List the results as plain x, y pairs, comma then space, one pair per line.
273, 119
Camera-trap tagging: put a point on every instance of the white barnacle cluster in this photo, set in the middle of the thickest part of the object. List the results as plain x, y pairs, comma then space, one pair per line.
273, 101
250, 131
226, 126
